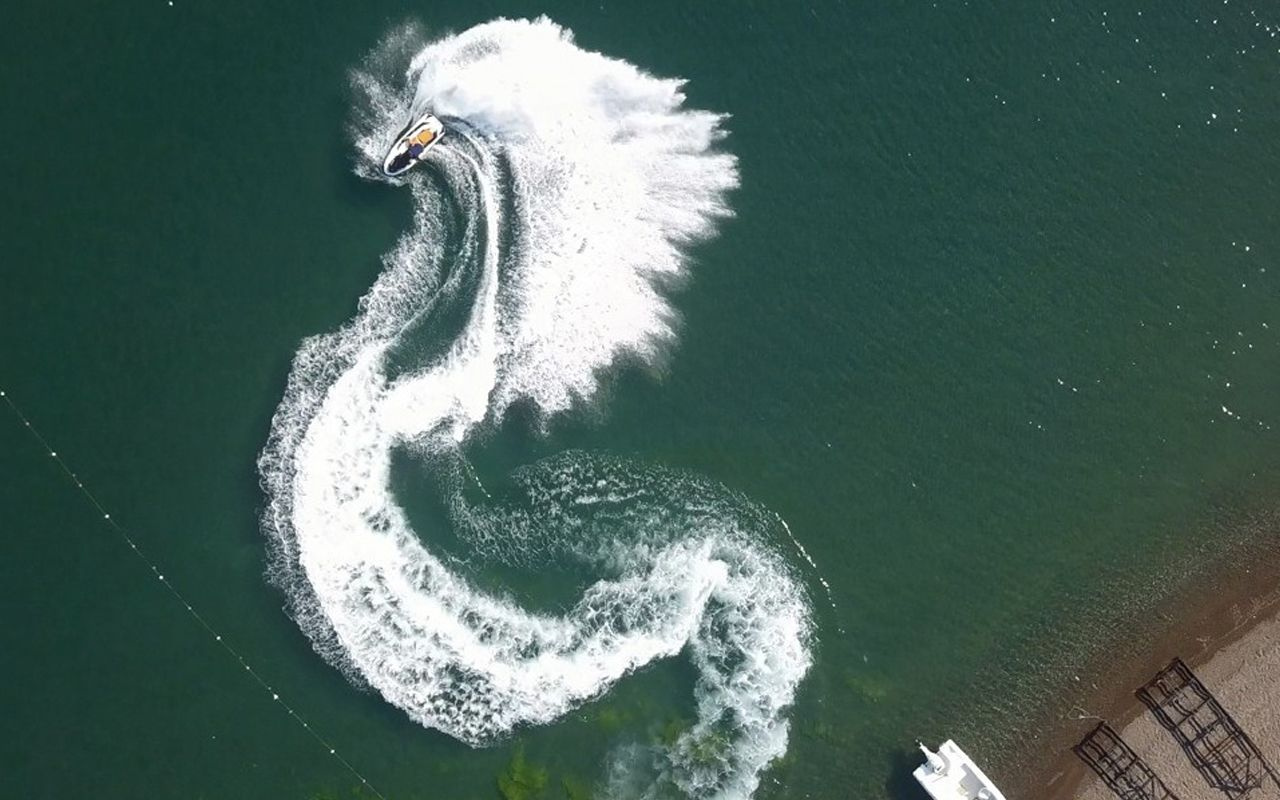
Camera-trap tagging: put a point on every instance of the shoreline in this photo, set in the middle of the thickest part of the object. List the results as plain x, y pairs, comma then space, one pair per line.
1230, 605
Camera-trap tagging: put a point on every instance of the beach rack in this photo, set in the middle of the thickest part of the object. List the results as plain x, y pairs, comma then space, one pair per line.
1121, 769
1217, 746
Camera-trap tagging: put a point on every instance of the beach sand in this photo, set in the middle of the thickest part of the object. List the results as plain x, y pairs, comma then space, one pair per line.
1229, 634
1245, 677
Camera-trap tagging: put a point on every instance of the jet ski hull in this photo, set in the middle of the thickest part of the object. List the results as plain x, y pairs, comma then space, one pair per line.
412, 145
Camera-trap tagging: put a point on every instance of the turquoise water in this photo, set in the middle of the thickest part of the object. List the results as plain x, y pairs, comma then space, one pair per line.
993, 274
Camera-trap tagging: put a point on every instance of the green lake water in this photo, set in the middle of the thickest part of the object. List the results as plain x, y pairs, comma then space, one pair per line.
993, 328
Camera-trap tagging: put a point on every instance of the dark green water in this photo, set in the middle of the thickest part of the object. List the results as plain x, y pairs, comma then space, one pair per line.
995, 272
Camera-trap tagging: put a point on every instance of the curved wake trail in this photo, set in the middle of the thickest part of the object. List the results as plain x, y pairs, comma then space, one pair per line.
542, 239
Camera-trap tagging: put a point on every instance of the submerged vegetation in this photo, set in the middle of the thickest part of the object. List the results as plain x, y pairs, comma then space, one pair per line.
522, 780
703, 749
525, 780
575, 788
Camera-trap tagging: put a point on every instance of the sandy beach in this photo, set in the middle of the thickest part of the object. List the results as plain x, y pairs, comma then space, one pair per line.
1228, 632
1245, 677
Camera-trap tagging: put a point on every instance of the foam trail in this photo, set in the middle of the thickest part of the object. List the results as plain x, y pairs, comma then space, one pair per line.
545, 231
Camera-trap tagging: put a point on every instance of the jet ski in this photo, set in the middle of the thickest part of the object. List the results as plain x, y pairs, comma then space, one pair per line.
411, 146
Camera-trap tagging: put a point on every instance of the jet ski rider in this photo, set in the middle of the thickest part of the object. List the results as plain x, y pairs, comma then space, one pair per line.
419, 143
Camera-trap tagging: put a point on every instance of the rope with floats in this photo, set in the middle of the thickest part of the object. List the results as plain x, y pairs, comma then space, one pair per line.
218, 639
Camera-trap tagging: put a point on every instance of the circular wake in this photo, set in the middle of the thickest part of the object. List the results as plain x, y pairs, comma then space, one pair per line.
546, 228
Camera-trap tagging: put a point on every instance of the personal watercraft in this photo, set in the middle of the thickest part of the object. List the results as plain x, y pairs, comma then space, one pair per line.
412, 145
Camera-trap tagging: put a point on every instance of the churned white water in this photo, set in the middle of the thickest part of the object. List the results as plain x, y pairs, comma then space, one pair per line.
546, 227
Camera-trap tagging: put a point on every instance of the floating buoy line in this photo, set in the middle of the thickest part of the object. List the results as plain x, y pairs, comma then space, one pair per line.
218, 639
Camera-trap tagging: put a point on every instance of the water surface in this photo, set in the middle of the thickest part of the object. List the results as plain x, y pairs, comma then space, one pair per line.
991, 329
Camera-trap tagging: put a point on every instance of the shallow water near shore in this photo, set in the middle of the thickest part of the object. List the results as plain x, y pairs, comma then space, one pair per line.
991, 328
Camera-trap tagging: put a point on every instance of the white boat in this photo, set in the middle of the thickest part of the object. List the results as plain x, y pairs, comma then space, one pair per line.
412, 145
949, 774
